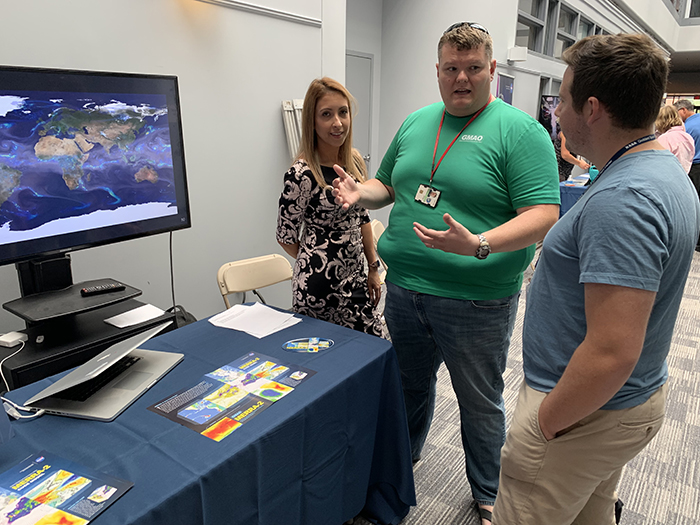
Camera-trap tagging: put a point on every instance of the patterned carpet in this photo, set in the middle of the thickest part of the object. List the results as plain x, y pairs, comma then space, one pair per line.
661, 486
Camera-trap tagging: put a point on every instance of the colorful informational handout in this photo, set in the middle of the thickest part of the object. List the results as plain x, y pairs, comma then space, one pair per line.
45, 490
308, 344
226, 398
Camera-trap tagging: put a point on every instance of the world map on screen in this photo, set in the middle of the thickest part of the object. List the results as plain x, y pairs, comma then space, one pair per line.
67, 155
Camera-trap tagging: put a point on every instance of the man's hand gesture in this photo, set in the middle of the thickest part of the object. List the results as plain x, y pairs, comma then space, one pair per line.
345, 190
456, 239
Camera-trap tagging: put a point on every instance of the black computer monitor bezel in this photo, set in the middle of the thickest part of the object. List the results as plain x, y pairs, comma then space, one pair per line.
79, 81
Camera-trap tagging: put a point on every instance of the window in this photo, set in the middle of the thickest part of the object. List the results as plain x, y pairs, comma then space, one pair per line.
530, 24
684, 10
561, 45
567, 19
556, 86
544, 86
552, 22
551, 26
585, 28
527, 36
531, 7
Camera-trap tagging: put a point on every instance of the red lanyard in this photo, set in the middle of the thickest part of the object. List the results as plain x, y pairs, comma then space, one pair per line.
437, 139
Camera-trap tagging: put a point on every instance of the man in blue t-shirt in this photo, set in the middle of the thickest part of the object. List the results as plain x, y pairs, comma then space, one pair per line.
603, 301
686, 110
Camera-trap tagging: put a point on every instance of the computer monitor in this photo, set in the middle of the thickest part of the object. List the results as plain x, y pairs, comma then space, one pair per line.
86, 158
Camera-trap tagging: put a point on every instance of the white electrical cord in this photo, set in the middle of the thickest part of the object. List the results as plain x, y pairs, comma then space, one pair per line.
13, 409
2, 374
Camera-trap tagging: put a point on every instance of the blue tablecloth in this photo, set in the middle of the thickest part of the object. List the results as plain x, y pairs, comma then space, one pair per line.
334, 447
569, 195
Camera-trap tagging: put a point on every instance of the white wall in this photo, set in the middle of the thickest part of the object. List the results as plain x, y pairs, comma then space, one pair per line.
661, 23
234, 68
334, 27
364, 35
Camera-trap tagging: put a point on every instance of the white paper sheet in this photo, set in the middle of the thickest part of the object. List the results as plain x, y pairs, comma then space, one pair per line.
257, 319
135, 316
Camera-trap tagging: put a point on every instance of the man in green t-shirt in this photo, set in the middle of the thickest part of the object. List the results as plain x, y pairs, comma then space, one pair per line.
488, 171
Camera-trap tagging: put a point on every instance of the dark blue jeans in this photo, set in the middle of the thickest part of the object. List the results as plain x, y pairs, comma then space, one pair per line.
472, 338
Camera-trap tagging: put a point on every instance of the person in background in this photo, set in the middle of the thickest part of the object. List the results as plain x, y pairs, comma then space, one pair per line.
565, 159
603, 302
691, 120
479, 165
672, 136
330, 244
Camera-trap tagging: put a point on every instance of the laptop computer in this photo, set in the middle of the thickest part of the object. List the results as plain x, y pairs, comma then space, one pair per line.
107, 384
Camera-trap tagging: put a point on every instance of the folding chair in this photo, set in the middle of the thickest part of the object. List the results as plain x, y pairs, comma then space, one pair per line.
248, 275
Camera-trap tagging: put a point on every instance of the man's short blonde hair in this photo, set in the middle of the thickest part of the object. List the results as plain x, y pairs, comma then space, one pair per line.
465, 37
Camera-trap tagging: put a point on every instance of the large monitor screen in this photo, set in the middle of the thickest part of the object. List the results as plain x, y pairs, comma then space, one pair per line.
87, 158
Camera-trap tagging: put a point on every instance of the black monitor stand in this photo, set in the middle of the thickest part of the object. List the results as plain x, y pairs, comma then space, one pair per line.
44, 274
64, 328
48, 292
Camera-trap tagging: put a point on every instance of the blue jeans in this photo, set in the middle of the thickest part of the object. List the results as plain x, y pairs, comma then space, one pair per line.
472, 338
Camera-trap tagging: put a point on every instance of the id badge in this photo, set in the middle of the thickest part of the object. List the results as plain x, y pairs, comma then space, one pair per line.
427, 195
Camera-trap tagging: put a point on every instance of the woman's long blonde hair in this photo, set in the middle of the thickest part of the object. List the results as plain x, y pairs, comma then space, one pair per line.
349, 157
668, 117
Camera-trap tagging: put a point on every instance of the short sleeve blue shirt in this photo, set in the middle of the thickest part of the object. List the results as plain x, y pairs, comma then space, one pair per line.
637, 227
692, 127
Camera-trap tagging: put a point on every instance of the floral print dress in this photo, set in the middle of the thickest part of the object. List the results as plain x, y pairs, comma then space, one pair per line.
330, 280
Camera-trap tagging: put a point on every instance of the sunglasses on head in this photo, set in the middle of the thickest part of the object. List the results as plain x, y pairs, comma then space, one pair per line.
473, 25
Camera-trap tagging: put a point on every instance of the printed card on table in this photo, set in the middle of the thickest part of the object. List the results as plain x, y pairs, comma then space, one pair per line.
45, 489
232, 395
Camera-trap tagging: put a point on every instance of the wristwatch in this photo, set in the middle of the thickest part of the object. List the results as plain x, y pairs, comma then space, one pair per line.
375, 264
484, 247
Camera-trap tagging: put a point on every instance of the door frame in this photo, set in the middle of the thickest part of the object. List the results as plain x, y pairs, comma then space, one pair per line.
370, 113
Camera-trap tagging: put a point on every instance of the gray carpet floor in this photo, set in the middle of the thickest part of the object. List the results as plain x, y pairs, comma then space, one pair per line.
661, 486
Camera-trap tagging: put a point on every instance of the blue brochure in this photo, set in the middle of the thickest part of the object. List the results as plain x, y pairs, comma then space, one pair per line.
44, 488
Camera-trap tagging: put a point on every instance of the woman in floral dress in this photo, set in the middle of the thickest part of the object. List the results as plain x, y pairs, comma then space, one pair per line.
330, 245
